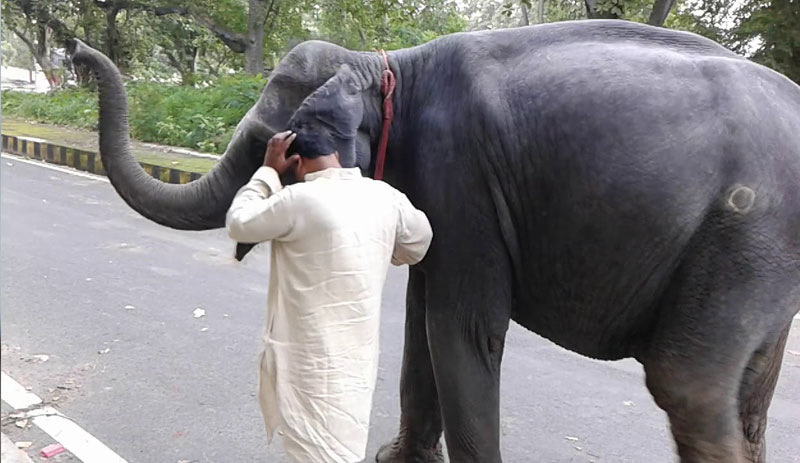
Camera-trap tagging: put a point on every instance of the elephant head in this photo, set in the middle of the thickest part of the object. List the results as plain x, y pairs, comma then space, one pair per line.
315, 74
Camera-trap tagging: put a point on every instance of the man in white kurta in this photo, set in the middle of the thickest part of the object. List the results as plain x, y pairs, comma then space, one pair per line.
332, 237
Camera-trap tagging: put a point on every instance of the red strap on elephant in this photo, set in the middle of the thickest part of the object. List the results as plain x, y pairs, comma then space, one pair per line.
387, 89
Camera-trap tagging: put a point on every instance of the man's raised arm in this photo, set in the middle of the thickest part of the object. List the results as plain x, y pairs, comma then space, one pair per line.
261, 211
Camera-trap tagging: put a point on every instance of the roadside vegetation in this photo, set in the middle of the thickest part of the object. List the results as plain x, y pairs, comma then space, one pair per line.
199, 118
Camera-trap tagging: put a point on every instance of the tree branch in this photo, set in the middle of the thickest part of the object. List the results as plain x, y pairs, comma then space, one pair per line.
22, 37
269, 11
175, 62
274, 17
41, 15
233, 40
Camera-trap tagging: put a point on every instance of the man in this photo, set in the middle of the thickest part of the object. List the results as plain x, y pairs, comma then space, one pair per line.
333, 236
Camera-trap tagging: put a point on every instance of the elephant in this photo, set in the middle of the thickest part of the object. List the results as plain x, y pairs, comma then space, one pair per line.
623, 190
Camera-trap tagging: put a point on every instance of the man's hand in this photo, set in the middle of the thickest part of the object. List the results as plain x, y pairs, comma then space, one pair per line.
276, 152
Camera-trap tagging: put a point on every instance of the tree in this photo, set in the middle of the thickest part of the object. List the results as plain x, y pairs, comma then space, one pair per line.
179, 41
29, 23
225, 23
387, 24
15, 52
769, 33
653, 12
492, 14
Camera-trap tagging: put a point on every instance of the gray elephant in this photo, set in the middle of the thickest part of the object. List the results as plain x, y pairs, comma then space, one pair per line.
620, 189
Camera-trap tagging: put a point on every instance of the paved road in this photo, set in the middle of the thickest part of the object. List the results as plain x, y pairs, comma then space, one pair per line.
19, 79
74, 256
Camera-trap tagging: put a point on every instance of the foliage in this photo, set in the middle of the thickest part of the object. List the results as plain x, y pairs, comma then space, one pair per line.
770, 32
389, 24
14, 52
199, 118
766, 31
72, 107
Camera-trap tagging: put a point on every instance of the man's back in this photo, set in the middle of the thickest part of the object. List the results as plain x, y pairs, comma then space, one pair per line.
333, 237
345, 228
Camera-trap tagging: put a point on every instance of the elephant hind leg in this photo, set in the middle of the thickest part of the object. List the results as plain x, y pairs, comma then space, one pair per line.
711, 361
755, 394
702, 410
718, 411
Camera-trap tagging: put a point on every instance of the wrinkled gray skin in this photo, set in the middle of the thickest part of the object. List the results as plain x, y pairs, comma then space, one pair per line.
623, 190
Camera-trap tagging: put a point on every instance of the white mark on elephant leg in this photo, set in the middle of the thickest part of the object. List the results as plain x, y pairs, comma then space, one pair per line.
741, 199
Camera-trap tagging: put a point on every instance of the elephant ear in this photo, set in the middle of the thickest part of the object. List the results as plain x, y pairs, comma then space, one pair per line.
334, 111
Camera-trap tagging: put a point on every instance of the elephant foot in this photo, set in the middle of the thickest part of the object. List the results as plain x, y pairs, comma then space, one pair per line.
399, 451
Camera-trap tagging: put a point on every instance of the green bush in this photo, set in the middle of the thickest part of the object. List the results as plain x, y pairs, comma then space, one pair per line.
73, 107
198, 118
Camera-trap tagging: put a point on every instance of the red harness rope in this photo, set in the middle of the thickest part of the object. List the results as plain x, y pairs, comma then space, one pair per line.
387, 89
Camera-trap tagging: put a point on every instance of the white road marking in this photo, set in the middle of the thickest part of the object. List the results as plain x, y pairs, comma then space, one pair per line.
15, 395
65, 170
74, 438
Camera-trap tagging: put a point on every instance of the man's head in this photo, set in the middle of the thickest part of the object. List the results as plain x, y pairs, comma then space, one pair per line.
316, 146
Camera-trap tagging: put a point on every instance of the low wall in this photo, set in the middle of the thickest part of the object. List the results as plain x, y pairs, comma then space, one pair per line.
86, 161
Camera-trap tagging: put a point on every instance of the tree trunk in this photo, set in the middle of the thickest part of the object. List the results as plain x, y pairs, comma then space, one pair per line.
189, 67
42, 55
540, 12
113, 41
660, 12
525, 20
188, 78
191, 64
254, 50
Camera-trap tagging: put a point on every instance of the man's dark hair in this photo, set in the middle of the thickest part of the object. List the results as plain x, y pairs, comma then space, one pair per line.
312, 141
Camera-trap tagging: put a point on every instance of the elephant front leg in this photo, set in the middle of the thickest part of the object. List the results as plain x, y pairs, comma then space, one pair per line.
467, 321
420, 420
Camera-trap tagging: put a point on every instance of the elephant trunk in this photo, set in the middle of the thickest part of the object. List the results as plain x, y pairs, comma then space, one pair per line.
199, 205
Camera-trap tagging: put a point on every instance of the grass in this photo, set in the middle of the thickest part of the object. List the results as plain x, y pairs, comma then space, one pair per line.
197, 118
87, 140
199, 165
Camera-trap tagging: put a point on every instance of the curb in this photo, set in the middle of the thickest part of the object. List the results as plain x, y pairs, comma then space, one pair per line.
9, 453
87, 161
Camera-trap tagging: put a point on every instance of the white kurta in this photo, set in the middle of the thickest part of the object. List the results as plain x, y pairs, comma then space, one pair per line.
333, 237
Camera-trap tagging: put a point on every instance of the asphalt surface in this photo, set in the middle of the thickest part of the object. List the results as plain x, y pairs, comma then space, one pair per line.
154, 386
